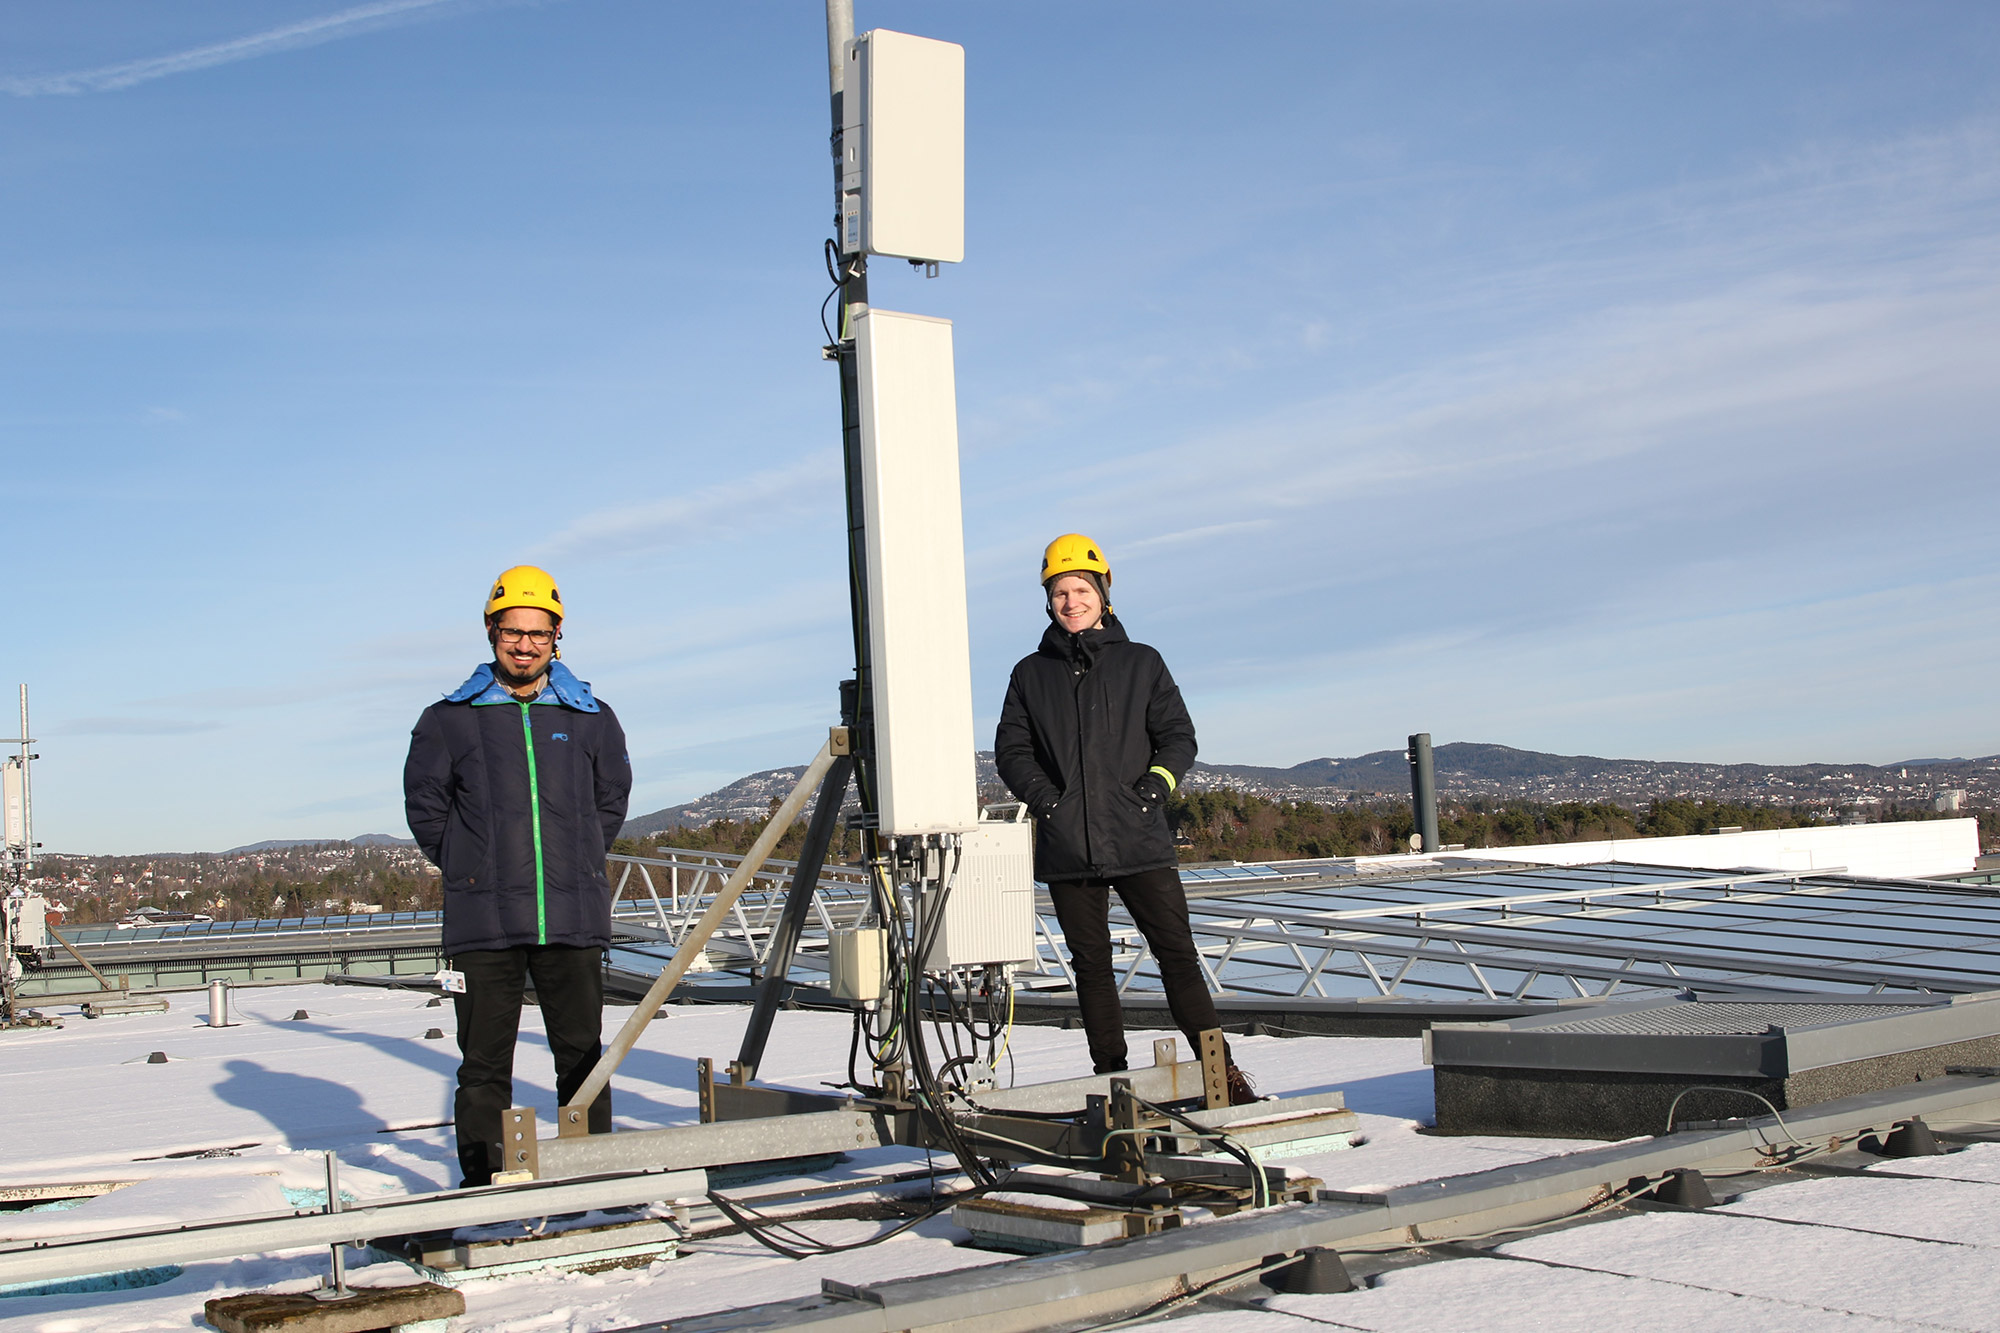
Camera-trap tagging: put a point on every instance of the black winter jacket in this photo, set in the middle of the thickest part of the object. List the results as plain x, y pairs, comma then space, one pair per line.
1086, 716
520, 844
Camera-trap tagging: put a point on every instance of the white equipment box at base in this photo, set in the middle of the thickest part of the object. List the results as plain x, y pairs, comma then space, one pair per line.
27, 921
855, 962
989, 914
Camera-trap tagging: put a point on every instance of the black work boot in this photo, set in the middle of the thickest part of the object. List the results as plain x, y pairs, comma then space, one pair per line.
1241, 1091
475, 1166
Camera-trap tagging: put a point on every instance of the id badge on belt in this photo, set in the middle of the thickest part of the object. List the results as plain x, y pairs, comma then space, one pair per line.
450, 982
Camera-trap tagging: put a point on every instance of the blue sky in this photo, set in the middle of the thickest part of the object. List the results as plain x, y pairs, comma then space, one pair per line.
1603, 378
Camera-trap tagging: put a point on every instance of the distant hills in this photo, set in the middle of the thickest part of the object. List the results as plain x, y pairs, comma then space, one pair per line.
284, 844
1468, 770
746, 798
751, 797
1465, 765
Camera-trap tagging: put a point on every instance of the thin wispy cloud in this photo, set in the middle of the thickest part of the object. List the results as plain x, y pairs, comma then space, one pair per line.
1203, 533
287, 37
675, 518
1764, 309
1895, 214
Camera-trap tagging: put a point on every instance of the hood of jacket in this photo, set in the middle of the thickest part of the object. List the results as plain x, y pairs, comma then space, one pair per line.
1082, 649
562, 683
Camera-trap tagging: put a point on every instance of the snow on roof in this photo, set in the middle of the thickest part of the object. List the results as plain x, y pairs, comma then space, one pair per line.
358, 1077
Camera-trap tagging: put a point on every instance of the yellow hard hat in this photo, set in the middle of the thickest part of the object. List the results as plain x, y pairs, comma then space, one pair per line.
1074, 553
524, 585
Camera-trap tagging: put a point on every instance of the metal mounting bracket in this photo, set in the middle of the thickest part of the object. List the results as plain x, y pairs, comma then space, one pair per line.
519, 1150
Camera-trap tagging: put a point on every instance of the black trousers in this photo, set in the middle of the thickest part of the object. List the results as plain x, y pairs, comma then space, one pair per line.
1159, 909
569, 986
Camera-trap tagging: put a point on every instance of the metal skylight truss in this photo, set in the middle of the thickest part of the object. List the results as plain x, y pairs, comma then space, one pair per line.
1463, 929
1549, 933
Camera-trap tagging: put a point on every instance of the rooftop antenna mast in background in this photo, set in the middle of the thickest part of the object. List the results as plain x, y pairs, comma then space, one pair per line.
21, 913
20, 807
19, 797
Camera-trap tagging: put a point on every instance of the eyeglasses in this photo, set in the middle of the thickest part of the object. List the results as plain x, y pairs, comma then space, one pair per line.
541, 638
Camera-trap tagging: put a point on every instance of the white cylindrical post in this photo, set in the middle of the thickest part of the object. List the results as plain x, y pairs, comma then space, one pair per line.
218, 1004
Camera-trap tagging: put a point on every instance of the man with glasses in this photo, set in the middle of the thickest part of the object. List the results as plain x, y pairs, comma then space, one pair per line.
515, 787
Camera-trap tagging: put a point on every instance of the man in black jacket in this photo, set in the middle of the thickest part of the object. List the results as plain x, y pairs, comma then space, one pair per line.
515, 787
1094, 738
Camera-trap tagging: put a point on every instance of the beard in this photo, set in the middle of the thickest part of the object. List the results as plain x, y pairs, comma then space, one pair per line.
507, 676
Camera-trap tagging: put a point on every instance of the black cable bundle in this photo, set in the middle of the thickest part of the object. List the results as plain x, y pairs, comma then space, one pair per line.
930, 1087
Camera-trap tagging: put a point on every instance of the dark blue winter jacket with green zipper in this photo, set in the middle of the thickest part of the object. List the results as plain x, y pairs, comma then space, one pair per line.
516, 804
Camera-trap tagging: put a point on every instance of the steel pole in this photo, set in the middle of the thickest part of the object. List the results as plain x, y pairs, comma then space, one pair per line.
1423, 790
851, 278
27, 794
798, 900
839, 32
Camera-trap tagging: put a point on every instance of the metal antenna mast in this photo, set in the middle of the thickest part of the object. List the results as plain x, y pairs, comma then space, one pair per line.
16, 794
850, 274
849, 271
20, 804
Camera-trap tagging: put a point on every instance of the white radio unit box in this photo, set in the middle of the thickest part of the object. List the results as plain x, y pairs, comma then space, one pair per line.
989, 914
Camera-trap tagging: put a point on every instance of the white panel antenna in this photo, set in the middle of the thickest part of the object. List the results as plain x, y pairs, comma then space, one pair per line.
902, 190
14, 797
915, 549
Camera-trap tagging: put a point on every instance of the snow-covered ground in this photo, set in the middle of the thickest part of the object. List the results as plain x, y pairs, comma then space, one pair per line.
358, 1076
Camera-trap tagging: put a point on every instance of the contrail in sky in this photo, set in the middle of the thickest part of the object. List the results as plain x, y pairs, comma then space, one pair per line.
310, 32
